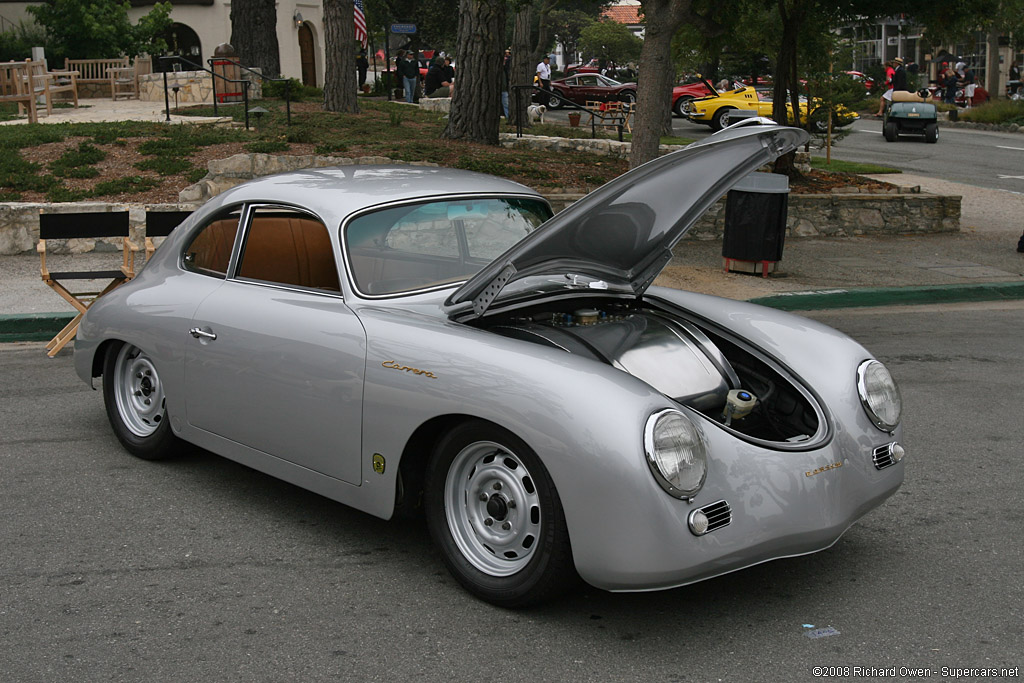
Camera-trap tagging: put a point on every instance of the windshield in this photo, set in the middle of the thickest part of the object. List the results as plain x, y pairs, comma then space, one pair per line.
431, 244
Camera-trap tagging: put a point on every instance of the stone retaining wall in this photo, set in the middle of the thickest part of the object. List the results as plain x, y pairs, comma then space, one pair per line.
905, 211
194, 87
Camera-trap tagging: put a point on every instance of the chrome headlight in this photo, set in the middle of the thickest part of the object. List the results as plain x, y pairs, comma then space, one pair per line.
879, 395
676, 453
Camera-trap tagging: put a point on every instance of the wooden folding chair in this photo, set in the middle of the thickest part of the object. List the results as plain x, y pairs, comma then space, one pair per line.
160, 224
630, 112
64, 226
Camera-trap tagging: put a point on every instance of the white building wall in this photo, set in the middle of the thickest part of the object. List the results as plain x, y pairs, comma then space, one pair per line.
212, 23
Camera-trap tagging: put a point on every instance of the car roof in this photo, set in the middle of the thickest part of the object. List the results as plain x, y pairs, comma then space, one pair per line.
335, 192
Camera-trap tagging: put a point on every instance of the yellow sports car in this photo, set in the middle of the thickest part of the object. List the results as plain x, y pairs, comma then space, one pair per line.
714, 110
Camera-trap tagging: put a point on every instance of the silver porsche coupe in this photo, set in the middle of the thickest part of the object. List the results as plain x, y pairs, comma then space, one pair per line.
420, 340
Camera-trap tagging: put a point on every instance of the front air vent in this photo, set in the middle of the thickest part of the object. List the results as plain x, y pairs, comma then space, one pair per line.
719, 514
710, 517
886, 456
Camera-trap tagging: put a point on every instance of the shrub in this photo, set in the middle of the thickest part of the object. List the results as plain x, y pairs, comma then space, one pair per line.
995, 111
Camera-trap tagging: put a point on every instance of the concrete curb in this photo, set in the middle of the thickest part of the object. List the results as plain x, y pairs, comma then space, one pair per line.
892, 296
43, 326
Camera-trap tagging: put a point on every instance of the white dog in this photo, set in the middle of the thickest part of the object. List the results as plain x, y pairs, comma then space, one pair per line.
535, 112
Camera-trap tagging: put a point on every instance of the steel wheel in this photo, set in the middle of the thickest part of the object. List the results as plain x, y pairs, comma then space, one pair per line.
496, 517
138, 391
720, 119
136, 403
680, 107
492, 507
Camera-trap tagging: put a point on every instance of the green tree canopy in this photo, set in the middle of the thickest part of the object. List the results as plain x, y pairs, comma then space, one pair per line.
98, 29
610, 41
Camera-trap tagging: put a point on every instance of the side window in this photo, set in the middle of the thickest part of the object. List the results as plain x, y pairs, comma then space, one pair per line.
290, 248
210, 250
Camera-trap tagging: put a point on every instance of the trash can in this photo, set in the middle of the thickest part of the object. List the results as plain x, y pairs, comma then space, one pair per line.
227, 74
755, 223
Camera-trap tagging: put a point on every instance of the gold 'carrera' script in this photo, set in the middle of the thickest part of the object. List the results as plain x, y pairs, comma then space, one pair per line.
826, 468
416, 371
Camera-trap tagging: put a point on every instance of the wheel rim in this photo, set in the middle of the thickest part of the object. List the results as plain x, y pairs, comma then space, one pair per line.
493, 508
138, 391
723, 120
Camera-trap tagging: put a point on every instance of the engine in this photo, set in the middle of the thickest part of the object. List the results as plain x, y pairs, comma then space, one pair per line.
674, 357
718, 377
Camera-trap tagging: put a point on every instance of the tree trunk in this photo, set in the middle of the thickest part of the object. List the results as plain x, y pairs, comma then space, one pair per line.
992, 73
522, 65
657, 73
254, 35
340, 57
476, 104
787, 84
543, 31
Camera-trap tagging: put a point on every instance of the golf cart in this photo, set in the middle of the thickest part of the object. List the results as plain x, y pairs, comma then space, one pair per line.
910, 114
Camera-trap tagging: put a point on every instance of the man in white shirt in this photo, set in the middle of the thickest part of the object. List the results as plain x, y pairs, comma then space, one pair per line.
544, 73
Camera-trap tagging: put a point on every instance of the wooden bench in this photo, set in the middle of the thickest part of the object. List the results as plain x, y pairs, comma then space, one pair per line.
15, 87
48, 83
123, 83
93, 73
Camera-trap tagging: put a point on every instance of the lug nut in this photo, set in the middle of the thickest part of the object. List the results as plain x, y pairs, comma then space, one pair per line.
506, 526
147, 402
138, 375
511, 503
497, 486
483, 497
488, 522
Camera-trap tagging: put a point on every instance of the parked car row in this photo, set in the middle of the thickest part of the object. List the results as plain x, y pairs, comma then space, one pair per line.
585, 86
716, 109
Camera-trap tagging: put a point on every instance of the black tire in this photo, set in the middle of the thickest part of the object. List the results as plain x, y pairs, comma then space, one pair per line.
819, 121
720, 119
136, 405
890, 131
628, 96
496, 517
677, 108
553, 102
931, 132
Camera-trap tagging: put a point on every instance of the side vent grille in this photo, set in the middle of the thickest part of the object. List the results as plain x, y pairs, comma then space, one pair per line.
882, 457
719, 515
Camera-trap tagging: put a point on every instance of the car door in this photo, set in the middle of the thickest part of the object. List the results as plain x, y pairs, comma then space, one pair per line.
276, 361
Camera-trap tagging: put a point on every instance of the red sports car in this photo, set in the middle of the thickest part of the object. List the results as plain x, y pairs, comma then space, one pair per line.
588, 87
681, 94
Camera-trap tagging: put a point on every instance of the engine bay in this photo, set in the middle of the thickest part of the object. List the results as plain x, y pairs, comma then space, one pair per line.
688, 361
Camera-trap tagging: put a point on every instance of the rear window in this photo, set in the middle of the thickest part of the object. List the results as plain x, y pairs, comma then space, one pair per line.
419, 246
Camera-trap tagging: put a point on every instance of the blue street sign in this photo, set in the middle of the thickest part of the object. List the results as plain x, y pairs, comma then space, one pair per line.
403, 28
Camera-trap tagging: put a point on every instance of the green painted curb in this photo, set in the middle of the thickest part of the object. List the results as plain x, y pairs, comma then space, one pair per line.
892, 296
43, 326
32, 326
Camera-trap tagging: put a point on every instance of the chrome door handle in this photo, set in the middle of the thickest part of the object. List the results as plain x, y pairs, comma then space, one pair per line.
197, 333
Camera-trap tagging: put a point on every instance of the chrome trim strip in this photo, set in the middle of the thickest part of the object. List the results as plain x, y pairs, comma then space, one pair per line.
652, 421
862, 394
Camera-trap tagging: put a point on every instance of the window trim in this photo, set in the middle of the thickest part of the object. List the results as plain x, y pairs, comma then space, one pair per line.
243, 236
242, 212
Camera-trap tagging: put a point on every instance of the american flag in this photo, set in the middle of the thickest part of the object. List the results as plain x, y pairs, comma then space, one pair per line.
360, 19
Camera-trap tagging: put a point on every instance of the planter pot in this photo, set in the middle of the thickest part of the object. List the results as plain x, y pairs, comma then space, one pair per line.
574, 119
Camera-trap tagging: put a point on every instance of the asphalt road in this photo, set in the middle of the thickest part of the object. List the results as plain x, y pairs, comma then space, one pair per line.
200, 569
981, 158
